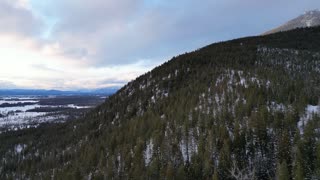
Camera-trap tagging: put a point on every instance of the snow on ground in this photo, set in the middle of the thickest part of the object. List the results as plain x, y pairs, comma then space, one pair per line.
277, 107
237, 77
17, 101
188, 148
77, 107
310, 111
13, 118
148, 152
5, 110
19, 147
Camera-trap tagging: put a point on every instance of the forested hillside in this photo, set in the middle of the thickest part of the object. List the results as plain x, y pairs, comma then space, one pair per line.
246, 108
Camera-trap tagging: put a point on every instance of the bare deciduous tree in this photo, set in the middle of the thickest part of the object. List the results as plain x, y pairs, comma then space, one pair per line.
242, 174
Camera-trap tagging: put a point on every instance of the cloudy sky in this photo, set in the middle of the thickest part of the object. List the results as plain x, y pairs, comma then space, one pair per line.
78, 44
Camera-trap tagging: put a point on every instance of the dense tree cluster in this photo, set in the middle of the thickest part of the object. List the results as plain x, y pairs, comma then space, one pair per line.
231, 110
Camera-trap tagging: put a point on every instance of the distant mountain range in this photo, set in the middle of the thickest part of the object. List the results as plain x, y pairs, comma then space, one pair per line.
308, 19
42, 92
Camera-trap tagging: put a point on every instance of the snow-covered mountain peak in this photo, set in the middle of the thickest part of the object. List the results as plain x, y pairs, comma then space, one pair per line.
312, 12
311, 18
308, 19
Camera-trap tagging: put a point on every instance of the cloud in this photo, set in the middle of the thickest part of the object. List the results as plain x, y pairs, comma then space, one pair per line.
43, 67
7, 85
104, 33
69, 44
16, 18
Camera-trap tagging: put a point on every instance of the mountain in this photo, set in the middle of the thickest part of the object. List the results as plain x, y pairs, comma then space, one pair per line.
41, 92
308, 19
32, 92
243, 108
108, 90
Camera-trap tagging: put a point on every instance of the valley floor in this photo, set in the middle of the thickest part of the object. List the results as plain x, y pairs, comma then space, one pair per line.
19, 112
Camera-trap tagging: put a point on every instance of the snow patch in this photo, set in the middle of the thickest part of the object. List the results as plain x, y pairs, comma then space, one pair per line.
153, 100
188, 147
19, 147
277, 107
148, 152
310, 111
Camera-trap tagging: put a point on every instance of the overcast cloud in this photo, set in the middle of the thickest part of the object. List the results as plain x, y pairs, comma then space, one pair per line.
72, 44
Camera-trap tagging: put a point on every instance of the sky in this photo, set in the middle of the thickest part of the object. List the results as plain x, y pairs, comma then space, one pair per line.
89, 44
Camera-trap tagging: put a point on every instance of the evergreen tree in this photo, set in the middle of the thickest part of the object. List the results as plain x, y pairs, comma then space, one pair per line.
282, 171
215, 175
224, 160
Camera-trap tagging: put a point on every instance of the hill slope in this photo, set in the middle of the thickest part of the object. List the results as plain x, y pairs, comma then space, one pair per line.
41, 92
246, 107
309, 19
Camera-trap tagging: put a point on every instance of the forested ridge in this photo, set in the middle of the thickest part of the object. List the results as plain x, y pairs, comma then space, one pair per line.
243, 109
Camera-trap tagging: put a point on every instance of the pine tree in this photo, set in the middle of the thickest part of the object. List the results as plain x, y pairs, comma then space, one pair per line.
282, 171
309, 146
181, 174
317, 164
170, 172
215, 175
224, 160
298, 172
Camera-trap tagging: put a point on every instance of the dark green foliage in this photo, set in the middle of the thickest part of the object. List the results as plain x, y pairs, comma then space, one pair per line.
282, 171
